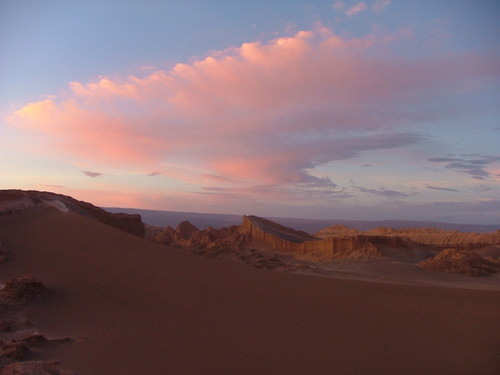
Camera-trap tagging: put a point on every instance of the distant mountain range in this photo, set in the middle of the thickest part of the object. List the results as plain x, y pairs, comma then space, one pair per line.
204, 220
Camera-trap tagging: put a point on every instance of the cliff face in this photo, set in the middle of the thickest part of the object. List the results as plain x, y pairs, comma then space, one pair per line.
460, 261
304, 246
259, 233
13, 202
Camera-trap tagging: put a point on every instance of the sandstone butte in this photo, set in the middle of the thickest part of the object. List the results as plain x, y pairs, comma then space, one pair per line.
13, 202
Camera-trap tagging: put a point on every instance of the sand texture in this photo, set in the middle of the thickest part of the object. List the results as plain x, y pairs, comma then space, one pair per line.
135, 307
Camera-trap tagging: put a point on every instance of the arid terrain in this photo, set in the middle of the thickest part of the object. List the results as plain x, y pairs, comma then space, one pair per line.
85, 292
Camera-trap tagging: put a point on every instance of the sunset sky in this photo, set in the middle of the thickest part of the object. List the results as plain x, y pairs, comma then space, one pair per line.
377, 109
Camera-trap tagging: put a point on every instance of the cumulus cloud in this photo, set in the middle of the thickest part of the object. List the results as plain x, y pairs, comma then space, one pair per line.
471, 164
260, 114
92, 174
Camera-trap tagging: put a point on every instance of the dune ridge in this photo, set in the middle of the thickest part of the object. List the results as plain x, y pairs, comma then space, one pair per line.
20, 201
140, 307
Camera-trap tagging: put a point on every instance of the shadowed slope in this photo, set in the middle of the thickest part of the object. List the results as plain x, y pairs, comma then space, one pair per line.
142, 308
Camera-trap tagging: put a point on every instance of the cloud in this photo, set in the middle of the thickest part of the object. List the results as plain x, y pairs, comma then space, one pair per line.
152, 174
381, 4
472, 164
339, 5
355, 9
441, 188
92, 174
260, 114
383, 192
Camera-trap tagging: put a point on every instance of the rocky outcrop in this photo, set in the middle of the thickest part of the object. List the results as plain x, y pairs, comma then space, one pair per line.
14, 202
302, 245
263, 234
22, 289
461, 261
437, 238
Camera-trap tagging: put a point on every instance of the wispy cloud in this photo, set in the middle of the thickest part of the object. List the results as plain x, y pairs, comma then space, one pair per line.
339, 5
355, 9
92, 174
471, 164
441, 188
383, 192
381, 4
152, 174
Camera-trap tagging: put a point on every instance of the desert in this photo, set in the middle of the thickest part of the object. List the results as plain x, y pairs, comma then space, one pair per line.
113, 302
272, 187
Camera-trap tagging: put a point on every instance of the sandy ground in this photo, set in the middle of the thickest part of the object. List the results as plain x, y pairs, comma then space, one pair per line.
140, 308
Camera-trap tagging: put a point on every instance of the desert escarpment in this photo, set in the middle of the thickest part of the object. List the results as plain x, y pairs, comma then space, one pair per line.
437, 238
14, 202
257, 236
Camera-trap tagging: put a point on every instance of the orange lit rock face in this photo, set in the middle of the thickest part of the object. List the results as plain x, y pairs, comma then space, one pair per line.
13, 202
461, 261
424, 236
336, 242
255, 232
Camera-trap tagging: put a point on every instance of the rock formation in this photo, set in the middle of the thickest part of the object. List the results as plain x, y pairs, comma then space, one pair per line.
22, 289
19, 201
263, 234
437, 238
461, 261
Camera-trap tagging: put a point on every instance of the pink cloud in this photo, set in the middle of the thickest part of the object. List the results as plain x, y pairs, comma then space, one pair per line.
258, 114
381, 4
338, 5
355, 9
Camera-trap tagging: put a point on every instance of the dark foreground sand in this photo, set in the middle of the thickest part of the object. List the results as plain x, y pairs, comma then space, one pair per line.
140, 308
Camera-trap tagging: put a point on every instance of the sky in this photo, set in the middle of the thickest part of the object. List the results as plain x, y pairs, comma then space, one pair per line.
375, 109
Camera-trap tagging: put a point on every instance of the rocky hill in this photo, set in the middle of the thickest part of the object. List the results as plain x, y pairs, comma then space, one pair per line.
14, 202
461, 261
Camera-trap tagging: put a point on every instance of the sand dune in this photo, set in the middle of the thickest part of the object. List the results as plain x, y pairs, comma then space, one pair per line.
136, 307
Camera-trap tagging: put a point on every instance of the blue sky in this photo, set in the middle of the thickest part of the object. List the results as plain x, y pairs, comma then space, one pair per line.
373, 109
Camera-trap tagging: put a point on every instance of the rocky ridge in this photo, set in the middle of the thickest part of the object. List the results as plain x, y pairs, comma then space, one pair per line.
261, 234
424, 236
13, 202
461, 261
260, 242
